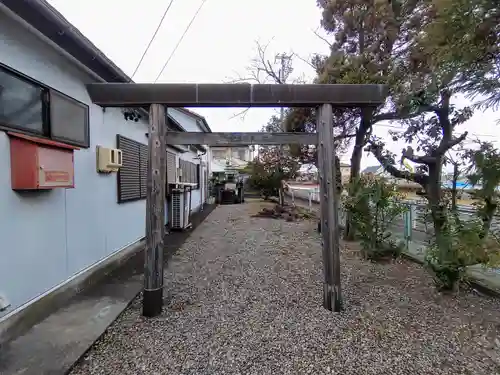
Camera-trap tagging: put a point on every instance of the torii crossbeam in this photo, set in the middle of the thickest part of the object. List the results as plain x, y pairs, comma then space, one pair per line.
160, 96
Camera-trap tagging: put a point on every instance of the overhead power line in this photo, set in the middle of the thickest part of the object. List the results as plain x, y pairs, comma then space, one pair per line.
152, 39
180, 40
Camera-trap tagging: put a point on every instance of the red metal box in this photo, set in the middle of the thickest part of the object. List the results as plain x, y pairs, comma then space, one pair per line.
37, 163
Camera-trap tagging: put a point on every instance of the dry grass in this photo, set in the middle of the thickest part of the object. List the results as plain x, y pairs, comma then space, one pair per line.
290, 211
254, 206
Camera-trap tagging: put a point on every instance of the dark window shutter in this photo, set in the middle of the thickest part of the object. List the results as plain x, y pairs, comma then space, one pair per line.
130, 174
190, 172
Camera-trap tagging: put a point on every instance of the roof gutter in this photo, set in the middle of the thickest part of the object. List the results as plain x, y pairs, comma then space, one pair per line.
199, 118
22, 11
205, 125
44, 21
45, 8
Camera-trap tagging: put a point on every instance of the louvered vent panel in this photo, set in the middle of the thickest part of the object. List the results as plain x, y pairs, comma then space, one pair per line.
129, 174
143, 167
177, 209
171, 168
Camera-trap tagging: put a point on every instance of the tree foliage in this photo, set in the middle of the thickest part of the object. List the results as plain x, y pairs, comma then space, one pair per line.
466, 246
263, 171
272, 165
484, 175
425, 51
373, 43
370, 39
438, 65
375, 206
464, 36
434, 137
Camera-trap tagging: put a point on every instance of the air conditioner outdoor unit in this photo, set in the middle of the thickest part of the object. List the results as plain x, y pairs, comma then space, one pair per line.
108, 159
179, 212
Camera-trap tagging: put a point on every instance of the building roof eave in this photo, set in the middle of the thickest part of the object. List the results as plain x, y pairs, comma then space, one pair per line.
53, 26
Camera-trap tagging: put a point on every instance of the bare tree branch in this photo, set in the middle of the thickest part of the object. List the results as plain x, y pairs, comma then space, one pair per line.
403, 115
262, 65
343, 136
449, 144
388, 165
308, 62
261, 70
242, 114
315, 32
299, 80
424, 159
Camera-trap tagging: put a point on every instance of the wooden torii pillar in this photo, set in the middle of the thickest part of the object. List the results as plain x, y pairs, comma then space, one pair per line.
159, 96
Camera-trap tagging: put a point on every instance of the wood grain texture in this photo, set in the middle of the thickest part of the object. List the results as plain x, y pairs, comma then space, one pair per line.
235, 95
241, 139
155, 198
329, 210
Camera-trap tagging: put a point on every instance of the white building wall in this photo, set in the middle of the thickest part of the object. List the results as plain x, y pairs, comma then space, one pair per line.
47, 237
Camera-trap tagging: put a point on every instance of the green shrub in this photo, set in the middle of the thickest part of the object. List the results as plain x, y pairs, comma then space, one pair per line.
374, 207
462, 244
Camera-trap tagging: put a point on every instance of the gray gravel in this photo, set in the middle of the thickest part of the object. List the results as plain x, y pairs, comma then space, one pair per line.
244, 297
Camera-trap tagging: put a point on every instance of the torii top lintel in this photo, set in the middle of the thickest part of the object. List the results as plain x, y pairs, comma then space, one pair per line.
234, 95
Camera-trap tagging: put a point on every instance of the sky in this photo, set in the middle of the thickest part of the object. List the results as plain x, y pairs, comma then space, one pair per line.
218, 48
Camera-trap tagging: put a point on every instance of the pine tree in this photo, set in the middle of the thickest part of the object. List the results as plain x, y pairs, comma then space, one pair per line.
368, 38
464, 36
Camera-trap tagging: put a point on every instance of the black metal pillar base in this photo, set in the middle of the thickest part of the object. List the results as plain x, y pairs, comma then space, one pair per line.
331, 300
152, 302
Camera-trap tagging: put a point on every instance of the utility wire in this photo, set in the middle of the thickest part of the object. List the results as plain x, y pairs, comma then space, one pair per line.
152, 39
180, 40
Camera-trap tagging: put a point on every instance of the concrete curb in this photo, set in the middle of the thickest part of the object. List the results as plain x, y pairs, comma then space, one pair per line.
474, 283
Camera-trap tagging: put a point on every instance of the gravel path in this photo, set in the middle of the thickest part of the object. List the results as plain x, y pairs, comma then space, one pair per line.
245, 298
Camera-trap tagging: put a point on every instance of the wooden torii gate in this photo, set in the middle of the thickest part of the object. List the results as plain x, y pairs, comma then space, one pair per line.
160, 96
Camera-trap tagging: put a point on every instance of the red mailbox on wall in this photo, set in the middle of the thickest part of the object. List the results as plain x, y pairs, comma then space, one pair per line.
37, 163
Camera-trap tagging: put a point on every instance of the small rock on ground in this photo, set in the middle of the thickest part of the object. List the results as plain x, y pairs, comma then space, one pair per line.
244, 297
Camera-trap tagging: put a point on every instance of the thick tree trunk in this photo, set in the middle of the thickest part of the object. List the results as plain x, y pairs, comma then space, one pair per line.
438, 209
438, 214
357, 153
